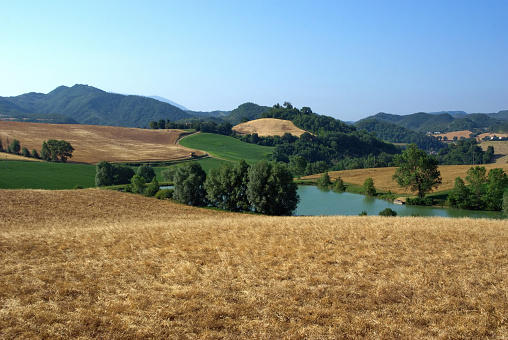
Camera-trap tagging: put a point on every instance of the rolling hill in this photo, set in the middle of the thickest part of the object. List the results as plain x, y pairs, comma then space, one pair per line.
94, 143
89, 105
269, 127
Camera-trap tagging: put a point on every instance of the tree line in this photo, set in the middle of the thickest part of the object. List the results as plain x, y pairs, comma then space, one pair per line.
264, 187
52, 150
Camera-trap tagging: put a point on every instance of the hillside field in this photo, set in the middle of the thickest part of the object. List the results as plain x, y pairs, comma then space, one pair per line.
269, 127
93, 143
500, 150
226, 147
99, 264
382, 177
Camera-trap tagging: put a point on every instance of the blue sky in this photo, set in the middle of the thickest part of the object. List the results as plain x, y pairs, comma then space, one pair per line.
346, 59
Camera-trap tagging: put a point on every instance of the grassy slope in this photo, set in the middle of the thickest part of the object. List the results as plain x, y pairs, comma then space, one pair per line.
226, 147
44, 175
101, 264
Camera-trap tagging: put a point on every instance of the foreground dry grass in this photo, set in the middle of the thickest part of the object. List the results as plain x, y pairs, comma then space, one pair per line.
382, 177
100, 264
269, 127
94, 143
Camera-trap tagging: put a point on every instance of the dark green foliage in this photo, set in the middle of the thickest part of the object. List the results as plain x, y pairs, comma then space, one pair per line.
164, 194
25, 152
1, 146
324, 181
247, 111
368, 187
138, 184
35, 154
338, 185
59, 150
45, 154
426, 201
464, 152
108, 174
152, 188
387, 212
271, 189
391, 132
168, 173
78, 187
483, 192
417, 171
189, 182
146, 171
298, 165
363, 213
226, 186
15, 147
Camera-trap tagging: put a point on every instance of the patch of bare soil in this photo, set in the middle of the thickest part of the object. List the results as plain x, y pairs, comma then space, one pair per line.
268, 127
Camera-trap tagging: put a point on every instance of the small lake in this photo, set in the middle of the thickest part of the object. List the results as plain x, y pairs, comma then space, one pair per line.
315, 202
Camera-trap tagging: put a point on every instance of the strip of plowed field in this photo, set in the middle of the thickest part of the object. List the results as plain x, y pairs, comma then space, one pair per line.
93, 143
269, 127
96, 264
382, 177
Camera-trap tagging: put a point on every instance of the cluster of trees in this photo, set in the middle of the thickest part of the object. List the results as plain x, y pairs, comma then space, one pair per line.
263, 187
465, 152
482, 192
224, 128
52, 150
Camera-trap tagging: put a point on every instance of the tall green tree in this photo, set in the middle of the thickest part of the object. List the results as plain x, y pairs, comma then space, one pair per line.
189, 182
15, 147
417, 171
45, 154
271, 189
459, 197
138, 184
146, 171
108, 174
35, 154
226, 186
477, 180
496, 185
368, 187
59, 150
25, 152
324, 181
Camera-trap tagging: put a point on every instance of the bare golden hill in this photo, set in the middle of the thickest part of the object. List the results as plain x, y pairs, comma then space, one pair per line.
94, 143
500, 150
382, 177
95, 264
269, 127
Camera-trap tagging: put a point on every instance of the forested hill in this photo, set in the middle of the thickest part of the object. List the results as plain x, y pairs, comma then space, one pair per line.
89, 105
246, 111
393, 133
444, 122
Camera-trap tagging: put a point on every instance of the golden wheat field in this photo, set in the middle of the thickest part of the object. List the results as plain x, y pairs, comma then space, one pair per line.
269, 127
95, 264
93, 143
382, 177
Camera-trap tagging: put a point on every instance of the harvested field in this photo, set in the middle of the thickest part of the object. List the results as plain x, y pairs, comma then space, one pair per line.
268, 127
500, 150
94, 143
458, 134
383, 176
94, 264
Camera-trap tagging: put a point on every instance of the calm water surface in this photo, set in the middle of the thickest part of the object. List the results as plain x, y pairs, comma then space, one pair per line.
315, 201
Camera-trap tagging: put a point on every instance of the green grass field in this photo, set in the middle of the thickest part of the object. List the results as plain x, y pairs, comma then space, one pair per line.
226, 147
43, 175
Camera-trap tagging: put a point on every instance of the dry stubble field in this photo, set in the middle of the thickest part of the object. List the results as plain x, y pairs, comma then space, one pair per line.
269, 127
102, 264
93, 143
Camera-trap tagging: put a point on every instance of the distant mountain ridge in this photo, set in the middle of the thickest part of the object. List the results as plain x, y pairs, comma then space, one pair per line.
446, 121
89, 105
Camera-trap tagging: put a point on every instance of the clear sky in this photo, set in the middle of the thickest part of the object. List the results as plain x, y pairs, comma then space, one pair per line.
346, 59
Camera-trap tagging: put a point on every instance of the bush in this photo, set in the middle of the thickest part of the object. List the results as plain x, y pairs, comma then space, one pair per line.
324, 181
428, 201
76, 187
368, 187
363, 213
152, 188
146, 171
338, 185
164, 194
388, 212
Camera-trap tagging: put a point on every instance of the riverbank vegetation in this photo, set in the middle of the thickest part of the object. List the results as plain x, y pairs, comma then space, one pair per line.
104, 264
